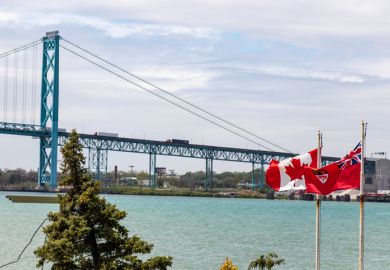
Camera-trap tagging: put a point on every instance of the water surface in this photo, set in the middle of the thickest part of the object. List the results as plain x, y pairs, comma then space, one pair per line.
200, 232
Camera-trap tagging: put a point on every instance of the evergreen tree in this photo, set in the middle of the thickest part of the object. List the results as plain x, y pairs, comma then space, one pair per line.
86, 233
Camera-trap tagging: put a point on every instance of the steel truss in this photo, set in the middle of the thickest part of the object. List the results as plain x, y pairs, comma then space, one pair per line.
103, 144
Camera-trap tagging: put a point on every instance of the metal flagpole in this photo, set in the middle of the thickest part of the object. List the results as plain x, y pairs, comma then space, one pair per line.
318, 206
361, 231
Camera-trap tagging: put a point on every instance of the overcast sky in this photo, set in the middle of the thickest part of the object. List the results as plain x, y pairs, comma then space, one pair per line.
281, 69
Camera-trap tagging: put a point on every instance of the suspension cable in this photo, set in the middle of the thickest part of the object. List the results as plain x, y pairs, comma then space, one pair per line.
25, 81
176, 97
24, 47
157, 95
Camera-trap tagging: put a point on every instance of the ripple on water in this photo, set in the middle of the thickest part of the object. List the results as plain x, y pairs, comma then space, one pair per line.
200, 232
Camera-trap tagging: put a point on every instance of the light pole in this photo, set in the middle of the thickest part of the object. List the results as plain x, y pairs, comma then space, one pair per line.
173, 183
131, 170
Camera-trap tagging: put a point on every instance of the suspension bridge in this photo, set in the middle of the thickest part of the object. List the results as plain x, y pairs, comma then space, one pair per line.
20, 87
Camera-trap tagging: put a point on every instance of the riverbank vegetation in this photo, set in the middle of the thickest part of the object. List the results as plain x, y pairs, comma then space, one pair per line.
264, 262
20, 179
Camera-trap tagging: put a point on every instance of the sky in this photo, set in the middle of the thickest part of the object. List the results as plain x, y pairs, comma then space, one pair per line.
281, 69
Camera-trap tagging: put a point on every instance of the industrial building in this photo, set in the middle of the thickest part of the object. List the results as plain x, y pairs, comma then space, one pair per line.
377, 175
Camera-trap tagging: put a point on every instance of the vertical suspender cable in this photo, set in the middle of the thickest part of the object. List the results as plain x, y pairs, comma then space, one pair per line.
24, 81
26, 86
35, 81
4, 94
15, 89
32, 86
5, 107
6, 87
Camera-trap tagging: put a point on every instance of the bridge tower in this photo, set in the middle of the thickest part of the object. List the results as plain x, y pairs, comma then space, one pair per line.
49, 110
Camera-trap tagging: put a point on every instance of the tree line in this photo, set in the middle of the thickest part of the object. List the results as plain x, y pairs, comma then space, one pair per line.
18, 178
193, 179
24, 179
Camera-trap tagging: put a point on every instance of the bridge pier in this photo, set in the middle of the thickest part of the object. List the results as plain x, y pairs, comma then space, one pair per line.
152, 170
97, 160
208, 184
253, 176
257, 181
262, 175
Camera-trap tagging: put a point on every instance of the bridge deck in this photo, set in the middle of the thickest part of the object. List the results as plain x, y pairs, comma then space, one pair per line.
157, 147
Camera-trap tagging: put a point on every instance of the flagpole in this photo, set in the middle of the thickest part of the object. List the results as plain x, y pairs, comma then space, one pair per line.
361, 230
318, 206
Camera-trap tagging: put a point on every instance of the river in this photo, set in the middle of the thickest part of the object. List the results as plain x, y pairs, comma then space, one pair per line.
200, 232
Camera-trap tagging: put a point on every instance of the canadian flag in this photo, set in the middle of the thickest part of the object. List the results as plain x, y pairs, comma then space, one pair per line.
288, 174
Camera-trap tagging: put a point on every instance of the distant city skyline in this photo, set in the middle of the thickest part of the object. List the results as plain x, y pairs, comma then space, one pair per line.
281, 69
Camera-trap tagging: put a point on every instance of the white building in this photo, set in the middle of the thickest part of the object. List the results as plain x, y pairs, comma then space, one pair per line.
144, 182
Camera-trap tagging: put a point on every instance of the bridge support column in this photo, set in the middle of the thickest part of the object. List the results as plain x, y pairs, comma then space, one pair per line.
49, 110
253, 176
262, 175
152, 170
97, 161
208, 184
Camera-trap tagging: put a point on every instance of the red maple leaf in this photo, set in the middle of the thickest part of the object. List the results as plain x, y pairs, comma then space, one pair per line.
295, 170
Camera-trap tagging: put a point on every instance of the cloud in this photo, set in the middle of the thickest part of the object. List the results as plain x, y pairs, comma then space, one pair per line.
378, 67
8, 17
176, 78
303, 73
113, 28
299, 22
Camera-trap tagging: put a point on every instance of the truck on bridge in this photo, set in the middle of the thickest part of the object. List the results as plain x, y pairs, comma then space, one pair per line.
178, 141
105, 134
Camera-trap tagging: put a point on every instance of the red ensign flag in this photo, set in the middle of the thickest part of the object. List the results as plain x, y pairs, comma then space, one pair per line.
339, 175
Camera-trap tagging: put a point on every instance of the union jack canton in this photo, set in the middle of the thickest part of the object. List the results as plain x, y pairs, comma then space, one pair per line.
354, 157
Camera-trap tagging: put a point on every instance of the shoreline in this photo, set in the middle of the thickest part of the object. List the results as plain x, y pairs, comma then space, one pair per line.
241, 194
